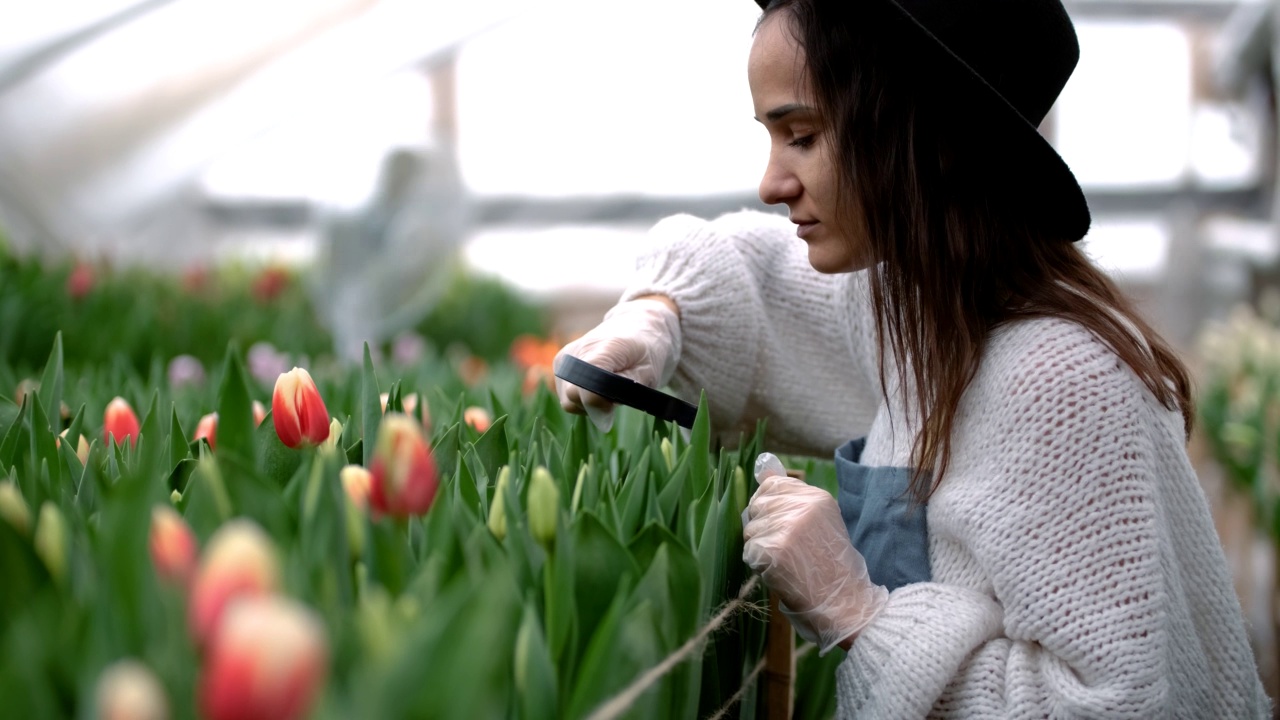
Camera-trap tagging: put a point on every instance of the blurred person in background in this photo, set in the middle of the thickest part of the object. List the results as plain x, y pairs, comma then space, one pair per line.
386, 263
1019, 531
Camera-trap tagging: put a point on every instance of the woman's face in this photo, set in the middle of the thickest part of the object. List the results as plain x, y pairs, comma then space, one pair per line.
800, 172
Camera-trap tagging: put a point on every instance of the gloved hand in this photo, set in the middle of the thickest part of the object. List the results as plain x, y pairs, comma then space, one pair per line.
797, 541
638, 339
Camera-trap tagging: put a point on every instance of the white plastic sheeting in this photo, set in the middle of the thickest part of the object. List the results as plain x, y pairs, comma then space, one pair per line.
109, 110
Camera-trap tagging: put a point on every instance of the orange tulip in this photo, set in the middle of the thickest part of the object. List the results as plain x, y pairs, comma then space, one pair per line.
267, 661
207, 428
173, 547
298, 411
120, 422
404, 477
530, 351
238, 561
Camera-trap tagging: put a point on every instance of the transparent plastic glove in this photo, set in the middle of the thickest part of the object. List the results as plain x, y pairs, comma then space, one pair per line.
639, 339
797, 541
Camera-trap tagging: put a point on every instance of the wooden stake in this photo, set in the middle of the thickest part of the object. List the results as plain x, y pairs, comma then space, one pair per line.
779, 664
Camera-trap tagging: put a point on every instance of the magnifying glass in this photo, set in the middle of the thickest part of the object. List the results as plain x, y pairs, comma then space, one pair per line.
625, 391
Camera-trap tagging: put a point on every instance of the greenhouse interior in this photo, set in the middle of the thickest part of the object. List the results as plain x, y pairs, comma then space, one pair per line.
282, 288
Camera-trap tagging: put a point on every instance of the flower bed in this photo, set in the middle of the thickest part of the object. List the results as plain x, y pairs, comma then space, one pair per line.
481, 555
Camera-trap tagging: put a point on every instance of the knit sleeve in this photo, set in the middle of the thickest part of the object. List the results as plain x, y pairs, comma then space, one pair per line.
764, 334
1054, 601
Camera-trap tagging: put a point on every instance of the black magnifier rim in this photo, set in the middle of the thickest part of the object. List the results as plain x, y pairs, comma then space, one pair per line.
625, 391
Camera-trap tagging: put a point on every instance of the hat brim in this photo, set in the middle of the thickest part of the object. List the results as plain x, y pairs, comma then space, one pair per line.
1021, 161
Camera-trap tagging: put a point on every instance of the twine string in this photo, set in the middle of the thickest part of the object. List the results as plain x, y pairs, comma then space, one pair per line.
620, 703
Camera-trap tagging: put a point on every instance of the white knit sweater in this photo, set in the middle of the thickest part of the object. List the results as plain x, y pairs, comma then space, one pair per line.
1076, 570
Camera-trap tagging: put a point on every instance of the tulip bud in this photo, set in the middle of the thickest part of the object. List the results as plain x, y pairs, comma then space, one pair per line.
576, 501
128, 690
13, 509
356, 481
668, 453
544, 506
478, 418
259, 413
404, 477
497, 509
207, 428
120, 422
238, 561
82, 445
173, 547
335, 436
524, 645
739, 490
384, 398
51, 540
267, 659
298, 410
25, 387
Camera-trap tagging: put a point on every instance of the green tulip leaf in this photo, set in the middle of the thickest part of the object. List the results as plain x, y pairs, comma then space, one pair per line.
370, 407
534, 672
51, 383
235, 411
277, 461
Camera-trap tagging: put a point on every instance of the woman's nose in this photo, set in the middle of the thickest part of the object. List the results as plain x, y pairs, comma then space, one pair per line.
778, 184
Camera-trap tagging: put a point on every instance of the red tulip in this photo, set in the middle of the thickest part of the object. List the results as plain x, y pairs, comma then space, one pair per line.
238, 561
80, 281
120, 422
267, 661
404, 474
173, 547
128, 690
298, 411
259, 413
207, 428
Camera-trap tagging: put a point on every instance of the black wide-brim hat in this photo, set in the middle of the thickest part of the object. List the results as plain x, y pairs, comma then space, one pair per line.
1004, 62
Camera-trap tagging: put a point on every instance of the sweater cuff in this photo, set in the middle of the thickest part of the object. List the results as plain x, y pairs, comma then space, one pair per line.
697, 265
901, 663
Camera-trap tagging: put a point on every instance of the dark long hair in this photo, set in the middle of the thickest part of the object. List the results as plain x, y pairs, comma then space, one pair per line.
957, 255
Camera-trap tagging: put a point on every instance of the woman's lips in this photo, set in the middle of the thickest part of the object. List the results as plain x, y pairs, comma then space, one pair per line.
804, 228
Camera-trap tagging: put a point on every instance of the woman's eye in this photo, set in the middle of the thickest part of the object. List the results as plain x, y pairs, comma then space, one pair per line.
803, 141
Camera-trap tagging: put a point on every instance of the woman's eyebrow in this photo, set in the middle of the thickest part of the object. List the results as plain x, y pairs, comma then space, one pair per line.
782, 111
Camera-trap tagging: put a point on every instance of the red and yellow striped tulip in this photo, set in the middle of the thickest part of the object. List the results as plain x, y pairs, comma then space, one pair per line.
404, 477
174, 552
267, 660
238, 561
298, 411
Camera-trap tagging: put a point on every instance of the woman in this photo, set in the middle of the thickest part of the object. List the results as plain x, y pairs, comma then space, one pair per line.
1019, 532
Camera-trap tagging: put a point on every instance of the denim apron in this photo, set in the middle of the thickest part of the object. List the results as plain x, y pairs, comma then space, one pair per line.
883, 524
